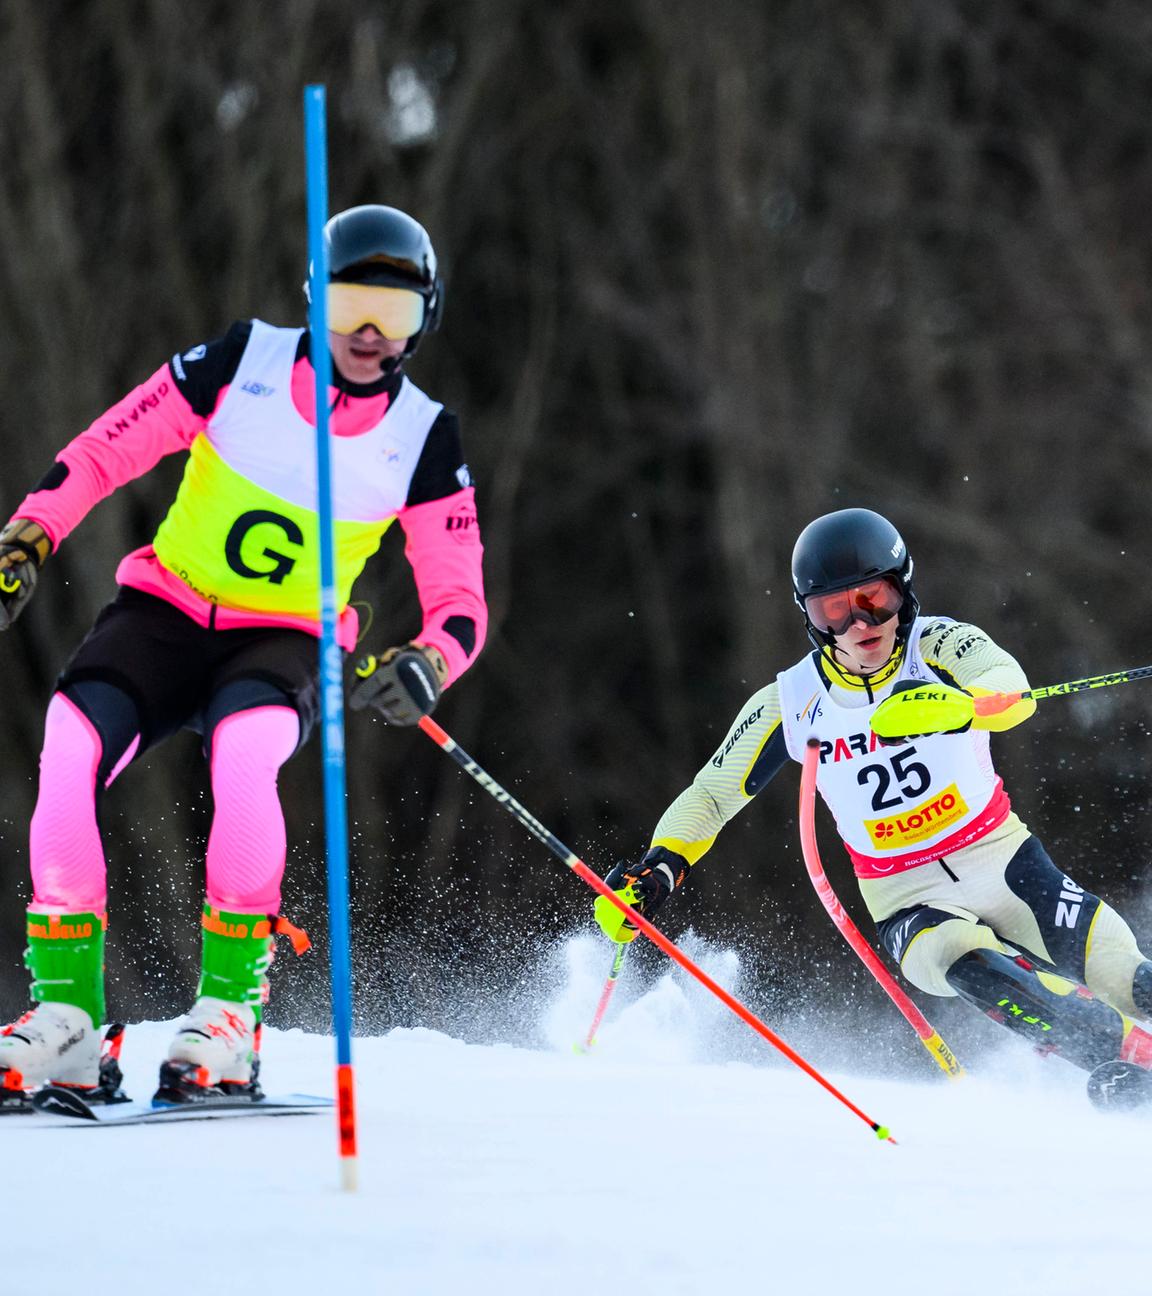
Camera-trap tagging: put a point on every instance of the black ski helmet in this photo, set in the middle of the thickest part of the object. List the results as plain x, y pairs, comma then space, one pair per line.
383, 245
847, 548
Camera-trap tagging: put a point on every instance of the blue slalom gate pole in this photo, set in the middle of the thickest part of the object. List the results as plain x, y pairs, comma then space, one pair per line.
331, 673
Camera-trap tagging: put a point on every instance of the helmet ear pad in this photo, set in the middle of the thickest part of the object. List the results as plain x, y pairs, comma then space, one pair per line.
434, 307
433, 314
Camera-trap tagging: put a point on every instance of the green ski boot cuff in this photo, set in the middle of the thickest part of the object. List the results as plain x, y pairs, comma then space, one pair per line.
65, 955
236, 958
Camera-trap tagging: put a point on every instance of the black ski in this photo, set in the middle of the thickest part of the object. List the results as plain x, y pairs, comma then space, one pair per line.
55, 1101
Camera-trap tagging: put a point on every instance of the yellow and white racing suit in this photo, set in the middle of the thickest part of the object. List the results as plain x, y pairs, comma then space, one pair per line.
943, 863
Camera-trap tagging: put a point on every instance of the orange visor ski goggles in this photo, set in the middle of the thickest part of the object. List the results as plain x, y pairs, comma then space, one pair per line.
874, 602
397, 312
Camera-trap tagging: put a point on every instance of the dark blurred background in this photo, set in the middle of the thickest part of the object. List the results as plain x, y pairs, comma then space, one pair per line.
711, 271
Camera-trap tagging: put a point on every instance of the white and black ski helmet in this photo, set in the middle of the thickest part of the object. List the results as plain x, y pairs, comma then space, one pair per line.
373, 244
848, 548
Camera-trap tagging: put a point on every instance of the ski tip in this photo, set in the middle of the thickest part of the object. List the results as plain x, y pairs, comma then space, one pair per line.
56, 1101
1118, 1086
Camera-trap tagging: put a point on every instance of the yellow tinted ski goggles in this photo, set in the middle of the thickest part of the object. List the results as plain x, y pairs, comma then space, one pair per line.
397, 312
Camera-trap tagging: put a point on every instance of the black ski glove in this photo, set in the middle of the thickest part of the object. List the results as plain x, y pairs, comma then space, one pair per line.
403, 684
23, 548
644, 886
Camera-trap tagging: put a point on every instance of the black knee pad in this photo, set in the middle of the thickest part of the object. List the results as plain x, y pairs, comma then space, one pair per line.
244, 695
900, 929
112, 713
1142, 990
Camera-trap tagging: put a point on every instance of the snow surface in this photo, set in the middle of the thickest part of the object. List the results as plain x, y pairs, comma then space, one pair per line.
647, 1166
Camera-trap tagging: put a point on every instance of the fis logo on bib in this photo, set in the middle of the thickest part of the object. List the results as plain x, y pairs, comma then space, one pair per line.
254, 388
811, 709
922, 822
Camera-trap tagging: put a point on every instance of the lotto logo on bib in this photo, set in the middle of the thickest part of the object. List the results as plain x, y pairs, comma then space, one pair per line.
911, 827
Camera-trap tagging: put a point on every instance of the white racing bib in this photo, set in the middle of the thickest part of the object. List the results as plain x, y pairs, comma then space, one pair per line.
900, 806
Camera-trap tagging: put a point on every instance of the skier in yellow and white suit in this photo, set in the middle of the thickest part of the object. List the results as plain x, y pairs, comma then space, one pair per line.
965, 898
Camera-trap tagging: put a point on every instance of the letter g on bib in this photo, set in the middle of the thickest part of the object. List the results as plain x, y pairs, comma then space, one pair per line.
281, 563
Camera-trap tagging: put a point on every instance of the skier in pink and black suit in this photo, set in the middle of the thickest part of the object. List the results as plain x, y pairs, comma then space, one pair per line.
215, 628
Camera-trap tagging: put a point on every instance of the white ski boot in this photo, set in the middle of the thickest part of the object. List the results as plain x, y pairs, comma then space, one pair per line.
215, 1049
53, 1043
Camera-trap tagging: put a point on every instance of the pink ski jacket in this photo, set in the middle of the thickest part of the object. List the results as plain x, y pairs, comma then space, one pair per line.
239, 546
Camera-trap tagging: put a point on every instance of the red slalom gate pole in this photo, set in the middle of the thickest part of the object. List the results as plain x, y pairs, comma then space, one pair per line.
605, 996
940, 1053
654, 934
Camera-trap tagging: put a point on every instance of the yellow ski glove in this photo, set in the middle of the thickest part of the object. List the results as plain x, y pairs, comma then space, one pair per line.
644, 886
23, 547
918, 709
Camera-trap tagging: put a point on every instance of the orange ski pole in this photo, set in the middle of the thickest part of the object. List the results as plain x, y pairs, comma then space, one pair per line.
994, 703
940, 1053
657, 937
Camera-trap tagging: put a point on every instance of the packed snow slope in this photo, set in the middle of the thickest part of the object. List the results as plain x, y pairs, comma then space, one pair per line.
647, 1166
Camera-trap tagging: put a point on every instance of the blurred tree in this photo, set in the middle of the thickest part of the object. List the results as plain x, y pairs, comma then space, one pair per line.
708, 276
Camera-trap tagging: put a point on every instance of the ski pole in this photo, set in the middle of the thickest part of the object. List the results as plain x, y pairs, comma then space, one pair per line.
605, 995
940, 1053
331, 672
654, 934
994, 703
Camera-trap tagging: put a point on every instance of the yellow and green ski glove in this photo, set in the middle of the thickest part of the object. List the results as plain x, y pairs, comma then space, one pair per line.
644, 886
918, 709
